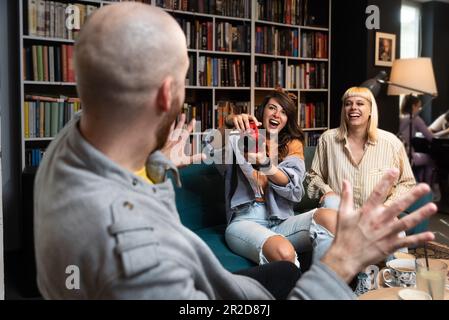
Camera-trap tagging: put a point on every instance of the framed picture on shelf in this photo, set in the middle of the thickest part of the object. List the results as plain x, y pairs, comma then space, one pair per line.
385, 49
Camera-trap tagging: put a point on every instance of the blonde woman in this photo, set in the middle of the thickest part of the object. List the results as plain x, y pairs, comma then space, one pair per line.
359, 152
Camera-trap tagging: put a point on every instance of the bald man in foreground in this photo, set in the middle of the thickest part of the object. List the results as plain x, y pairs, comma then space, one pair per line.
104, 207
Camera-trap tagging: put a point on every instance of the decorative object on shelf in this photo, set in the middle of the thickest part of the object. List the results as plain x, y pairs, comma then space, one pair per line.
385, 52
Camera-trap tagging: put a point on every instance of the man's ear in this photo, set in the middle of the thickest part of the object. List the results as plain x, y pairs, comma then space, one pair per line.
164, 95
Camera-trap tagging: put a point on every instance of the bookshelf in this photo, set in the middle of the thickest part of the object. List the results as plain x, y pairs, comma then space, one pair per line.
47, 84
238, 51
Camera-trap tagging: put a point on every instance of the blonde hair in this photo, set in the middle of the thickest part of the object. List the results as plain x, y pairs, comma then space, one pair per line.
374, 116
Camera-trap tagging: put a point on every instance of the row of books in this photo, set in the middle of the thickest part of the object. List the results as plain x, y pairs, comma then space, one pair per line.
312, 115
56, 19
284, 11
198, 33
190, 76
270, 74
232, 38
314, 45
230, 8
225, 108
311, 138
309, 75
199, 111
45, 116
49, 63
276, 41
33, 156
224, 72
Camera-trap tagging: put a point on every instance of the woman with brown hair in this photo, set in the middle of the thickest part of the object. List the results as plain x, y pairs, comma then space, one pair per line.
260, 197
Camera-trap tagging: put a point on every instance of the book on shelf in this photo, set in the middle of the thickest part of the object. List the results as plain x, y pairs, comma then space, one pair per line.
198, 32
311, 138
190, 76
224, 72
48, 18
44, 116
33, 156
270, 74
199, 111
231, 8
314, 45
232, 38
309, 75
225, 108
277, 41
313, 115
294, 12
49, 63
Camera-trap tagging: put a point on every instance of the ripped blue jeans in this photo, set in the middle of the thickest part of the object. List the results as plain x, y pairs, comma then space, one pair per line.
251, 226
333, 202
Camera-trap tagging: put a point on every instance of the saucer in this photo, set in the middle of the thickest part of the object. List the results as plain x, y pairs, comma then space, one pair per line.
413, 294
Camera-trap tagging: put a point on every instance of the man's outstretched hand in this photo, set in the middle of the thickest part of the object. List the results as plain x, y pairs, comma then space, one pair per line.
174, 148
369, 234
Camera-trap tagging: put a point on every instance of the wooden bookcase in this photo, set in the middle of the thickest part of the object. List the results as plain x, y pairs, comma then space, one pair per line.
244, 45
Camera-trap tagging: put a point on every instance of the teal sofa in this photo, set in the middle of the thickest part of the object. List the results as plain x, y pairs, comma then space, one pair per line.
201, 207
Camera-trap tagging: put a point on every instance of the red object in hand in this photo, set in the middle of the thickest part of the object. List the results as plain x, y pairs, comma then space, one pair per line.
249, 141
255, 134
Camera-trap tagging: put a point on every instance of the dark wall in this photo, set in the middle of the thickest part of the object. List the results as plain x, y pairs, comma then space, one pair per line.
352, 57
435, 40
348, 52
10, 121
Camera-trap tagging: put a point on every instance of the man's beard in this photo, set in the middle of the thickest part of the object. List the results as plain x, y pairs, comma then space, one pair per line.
164, 128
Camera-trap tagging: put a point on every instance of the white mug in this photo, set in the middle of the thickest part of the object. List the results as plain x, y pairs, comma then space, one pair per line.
400, 273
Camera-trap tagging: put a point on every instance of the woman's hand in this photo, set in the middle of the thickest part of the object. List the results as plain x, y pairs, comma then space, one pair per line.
258, 158
241, 121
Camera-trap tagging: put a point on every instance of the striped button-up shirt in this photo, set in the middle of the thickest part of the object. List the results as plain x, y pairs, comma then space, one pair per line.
333, 162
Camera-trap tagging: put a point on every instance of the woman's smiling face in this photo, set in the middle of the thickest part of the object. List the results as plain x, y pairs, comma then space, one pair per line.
274, 117
357, 112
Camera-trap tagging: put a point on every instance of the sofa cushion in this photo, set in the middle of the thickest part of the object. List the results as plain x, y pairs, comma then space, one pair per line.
214, 237
424, 225
200, 201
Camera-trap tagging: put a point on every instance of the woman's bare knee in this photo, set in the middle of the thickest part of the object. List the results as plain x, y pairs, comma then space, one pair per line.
277, 248
326, 218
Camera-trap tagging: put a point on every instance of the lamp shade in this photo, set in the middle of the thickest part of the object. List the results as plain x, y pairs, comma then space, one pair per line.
412, 76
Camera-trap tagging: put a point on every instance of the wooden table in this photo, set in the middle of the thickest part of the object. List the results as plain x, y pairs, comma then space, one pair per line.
388, 294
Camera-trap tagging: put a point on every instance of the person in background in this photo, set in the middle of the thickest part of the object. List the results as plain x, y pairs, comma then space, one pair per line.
263, 226
357, 151
422, 161
440, 127
95, 213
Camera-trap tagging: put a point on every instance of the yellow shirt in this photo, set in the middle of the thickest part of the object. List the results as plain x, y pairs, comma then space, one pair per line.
333, 162
143, 174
